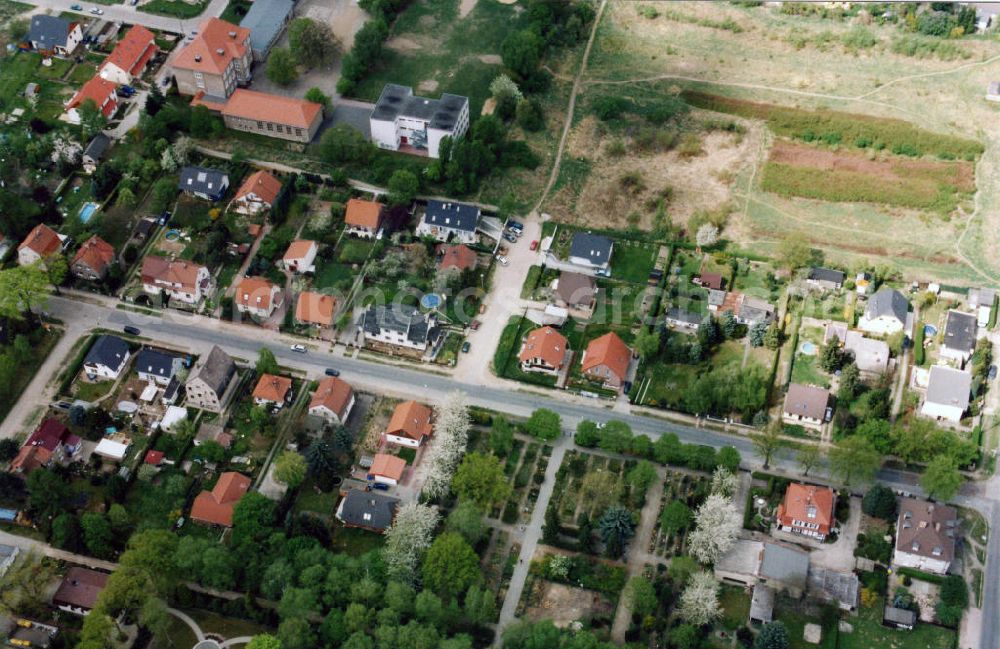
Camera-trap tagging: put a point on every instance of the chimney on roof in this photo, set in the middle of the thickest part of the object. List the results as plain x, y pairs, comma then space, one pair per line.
197, 58
232, 34
220, 51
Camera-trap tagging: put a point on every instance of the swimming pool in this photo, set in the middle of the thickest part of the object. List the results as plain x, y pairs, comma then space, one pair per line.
930, 330
87, 211
808, 348
430, 301
172, 235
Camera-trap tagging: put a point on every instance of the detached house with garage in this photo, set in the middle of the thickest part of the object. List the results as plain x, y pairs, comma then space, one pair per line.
591, 252
826, 278
805, 405
273, 390
50, 442
212, 381
54, 36
545, 350
79, 590
363, 218
315, 309
925, 536
886, 313
129, 58
98, 90
410, 424
106, 359
606, 360
333, 400
577, 293
178, 280
206, 184
368, 510
92, 261
459, 257
215, 507
948, 392
41, 242
448, 221
154, 366
257, 297
960, 332
257, 193
807, 510
300, 256
216, 62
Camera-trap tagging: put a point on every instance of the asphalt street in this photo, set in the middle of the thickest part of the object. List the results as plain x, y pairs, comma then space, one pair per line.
126, 13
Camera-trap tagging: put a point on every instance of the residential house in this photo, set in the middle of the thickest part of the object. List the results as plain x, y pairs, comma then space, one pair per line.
333, 400
960, 331
948, 393
206, 184
107, 358
753, 310
215, 507
300, 256
129, 58
402, 121
871, 356
449, 221
684, 320
98, 90
886, 313
807, 510
155, 366
111, 450
399, 326
709, 280
833, 587
272, 390
50, 442
315, 309
826, 278
576, 292
460, 257
363, 218
409, 425
144, 228
257, 193
925, 536
784, 568
179, 280
266, 20
79, 590
93, 259
716, 299
285, 118
545, 350
981, 300
806, 405
54, 35
215, 62
258, 297
40, 243
367, 510
94, 152
606, 361
387, 469
212, 381
592, 252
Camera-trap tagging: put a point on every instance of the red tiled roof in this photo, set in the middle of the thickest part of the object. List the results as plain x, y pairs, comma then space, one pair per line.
333, 393
388, 466
315, 308
363, 214
608, 350
40, 445
410, 419
802, 500
265, 107
100, 91
254, 292
162, 269
133, 51
216, 506
154, 457
261, 183
547, 344
298, 249
203, 53
272, 388
95, 253
711, 280
43, 240
458, 256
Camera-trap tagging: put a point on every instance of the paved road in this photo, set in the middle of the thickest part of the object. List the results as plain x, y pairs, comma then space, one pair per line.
128, 14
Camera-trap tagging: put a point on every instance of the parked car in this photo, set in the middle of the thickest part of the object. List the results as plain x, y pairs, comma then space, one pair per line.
76, 7
503, 260
465, 347
298, 348
331, 372
515, 225
96, 11
129, 329
474, 325
510, 237
126, 91
534, 245
164, 217
992, 374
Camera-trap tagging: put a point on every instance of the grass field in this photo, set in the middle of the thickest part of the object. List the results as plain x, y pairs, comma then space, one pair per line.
175, 8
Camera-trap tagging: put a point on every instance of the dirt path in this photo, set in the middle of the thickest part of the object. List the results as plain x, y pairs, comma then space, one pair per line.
569, 109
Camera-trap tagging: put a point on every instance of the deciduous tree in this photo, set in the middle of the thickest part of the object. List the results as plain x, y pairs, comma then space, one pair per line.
767, 442
700, 599
641, 596
942, 479
451, 565
452, 432
716, 525
544, 424
407, 538
281, 67
854, 459
290, 469
480, 479
312, 42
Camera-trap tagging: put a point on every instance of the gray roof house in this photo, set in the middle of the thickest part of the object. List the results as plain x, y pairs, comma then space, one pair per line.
948, 393
158, 366
212, 381
95, 151
400, 325
826, 278
784, 567
677, 317
8, 554
753, 310
446, 220
886, 312
981, 297
805, 405
107, 357
53, 34
266, 20
209, 184
591, 251
959, 336
369, 510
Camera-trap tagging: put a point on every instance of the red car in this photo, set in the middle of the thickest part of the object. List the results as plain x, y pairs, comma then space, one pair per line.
475, 325
534, 244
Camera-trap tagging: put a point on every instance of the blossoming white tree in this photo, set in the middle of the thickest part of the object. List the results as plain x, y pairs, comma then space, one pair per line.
407, 538
700, 600
451, 434
716, 525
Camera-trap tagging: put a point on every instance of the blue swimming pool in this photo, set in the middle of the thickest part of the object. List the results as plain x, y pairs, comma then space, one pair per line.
430, 301
808, 348
87, 211
930, 330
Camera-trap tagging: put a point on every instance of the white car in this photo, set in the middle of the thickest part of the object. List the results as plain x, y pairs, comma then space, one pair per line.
299, 348
503, 260
96, 11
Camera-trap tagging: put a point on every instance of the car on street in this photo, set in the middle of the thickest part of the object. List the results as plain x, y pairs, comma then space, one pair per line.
474, 325
534, 245
510, 237
129, 329
164, 217
331, 372
298, 348
515, 225
76, 7
96, 11
465, 347
503, 260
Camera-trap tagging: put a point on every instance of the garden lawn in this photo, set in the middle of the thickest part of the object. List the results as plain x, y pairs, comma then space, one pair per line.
735, 604
318, 503
668, 384
331, 273
354, 251
41, 348
869, 633
806, 370
632, 261
355, 541
175, 8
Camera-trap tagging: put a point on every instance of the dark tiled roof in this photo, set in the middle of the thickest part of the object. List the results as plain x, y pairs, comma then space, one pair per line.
826, 275
960, 331
48, 31
265, 20
368, 509
202, 180
591, 246
417, 327
455, 216
108, 351
216, 370
95, 150
887, 302
155, 362
399, 101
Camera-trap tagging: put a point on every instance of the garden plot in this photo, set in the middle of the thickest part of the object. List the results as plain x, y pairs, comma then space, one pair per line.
524, 467
588, 484
689, 489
